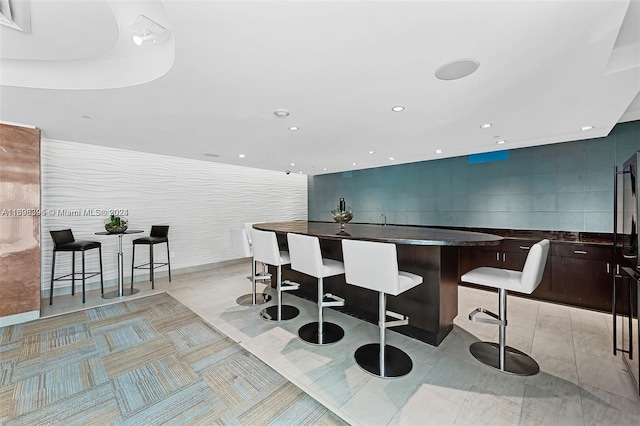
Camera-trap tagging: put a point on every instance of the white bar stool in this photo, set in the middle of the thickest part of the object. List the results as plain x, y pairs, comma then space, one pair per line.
266, 250
240, 244
498, 355
374, 266
306, 257
263, 274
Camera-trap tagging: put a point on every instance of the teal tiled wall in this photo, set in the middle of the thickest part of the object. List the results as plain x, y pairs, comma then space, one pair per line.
566, 187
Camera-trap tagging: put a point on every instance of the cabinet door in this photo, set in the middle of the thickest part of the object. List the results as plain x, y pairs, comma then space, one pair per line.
582, 282
476, 257
583, 275
515, 253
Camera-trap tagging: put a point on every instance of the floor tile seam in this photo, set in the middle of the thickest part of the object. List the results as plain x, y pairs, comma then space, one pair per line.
203, 317
291, 378
336, 410
575, 325
503, 398
395, 412
581, 383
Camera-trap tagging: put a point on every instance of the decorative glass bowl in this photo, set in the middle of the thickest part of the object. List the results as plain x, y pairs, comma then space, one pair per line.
117, 226
342, 216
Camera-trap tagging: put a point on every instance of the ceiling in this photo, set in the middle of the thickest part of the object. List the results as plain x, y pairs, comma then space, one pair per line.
208, 87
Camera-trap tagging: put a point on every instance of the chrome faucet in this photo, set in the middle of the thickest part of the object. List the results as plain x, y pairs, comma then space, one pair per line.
382, 216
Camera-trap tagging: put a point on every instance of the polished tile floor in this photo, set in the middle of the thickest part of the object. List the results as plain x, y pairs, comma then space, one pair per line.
580, 381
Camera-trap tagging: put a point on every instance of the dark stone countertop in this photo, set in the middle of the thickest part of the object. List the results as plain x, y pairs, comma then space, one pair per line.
576, 237
398, 234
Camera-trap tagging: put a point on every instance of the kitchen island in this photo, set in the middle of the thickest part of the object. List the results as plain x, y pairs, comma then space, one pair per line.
429, 252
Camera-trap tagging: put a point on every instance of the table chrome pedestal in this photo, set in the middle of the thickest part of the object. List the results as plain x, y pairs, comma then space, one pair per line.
121, 291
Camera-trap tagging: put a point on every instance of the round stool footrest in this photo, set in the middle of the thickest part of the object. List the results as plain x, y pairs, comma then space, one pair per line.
271, 313
515, 361
397, 362
247, 299
331, 333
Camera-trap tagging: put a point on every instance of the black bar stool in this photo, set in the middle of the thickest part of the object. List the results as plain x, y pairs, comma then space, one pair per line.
64, 241
159, 234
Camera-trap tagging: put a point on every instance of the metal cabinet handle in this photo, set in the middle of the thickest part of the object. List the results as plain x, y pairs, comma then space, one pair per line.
504, 257
580, 252
608, 268
525, 247
498, 256
629, 256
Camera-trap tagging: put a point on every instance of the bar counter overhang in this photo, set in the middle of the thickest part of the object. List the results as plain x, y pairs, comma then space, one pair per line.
429, 252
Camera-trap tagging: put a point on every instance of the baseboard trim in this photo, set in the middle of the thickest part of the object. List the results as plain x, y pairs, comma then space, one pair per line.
59, 290
19, 318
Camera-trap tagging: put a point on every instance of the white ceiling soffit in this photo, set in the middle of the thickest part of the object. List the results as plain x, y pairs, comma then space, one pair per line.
95, 51
546, 69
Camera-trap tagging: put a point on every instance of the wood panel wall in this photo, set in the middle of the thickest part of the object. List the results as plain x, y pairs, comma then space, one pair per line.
19, 220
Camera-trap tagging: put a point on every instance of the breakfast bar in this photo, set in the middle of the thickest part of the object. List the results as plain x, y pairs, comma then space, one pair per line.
429, 252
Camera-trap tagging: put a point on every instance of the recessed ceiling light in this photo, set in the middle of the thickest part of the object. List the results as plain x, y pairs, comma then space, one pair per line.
438, 151
391, 158
281, 113
372, 152
457, 69
501, 142
293, 164
585, 128
397, 108
241, 155
486, 125
293, 128
325, 169
355, 164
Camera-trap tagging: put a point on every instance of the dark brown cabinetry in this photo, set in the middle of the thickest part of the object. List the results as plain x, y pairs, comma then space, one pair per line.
582, 275
576, 274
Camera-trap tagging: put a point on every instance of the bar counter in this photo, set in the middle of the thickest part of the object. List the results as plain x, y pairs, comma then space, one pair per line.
429, 252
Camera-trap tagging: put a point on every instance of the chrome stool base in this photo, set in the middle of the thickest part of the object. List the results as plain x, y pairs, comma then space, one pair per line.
331, 333
125, 292
271, 313
247, 299
515, 361
396, 362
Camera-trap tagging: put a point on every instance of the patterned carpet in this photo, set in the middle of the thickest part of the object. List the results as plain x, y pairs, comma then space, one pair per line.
147, 361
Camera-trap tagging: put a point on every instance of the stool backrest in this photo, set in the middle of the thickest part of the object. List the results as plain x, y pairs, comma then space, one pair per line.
265, 247
240, 242
534, 266
248, 227
371, 265
62, 237
159, 231
305, 254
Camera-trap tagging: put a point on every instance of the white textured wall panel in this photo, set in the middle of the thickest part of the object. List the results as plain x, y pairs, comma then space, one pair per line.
199, 200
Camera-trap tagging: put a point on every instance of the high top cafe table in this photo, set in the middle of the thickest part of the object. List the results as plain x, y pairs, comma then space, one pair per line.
121, 291
429, 252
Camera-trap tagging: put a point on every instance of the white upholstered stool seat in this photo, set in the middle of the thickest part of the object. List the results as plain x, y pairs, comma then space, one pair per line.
499, 355
374, 266
306, 258
242, 247
266, 250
